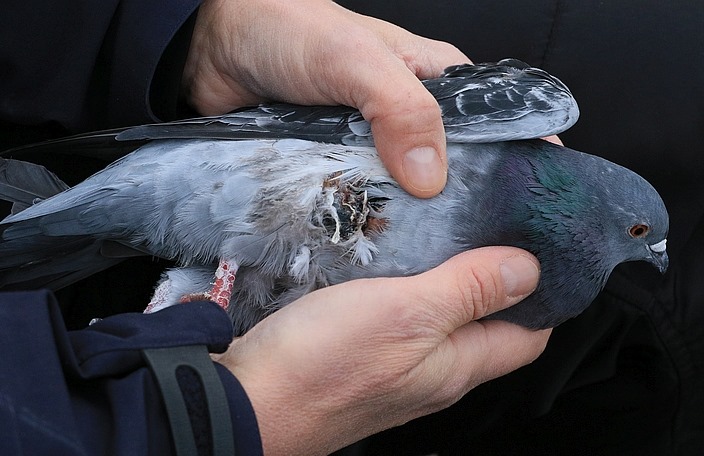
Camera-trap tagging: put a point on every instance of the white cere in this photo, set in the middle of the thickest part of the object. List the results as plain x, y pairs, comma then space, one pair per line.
659, 247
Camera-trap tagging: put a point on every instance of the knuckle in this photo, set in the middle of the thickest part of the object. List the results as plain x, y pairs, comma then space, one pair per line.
408, 99
446, 49
479, 291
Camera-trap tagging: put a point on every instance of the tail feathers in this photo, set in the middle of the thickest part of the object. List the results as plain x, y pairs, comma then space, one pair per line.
23, 183
30, 259
50, 262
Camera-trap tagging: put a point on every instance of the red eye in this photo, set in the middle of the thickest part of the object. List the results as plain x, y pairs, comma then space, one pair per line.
639, 231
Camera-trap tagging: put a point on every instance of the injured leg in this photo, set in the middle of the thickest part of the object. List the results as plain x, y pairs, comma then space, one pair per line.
224, 281
181, 284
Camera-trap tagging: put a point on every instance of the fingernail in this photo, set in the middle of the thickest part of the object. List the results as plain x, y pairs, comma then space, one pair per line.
520, 275
424, 169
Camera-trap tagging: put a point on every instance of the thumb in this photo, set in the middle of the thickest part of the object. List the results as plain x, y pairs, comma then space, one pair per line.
408, 133
478, 283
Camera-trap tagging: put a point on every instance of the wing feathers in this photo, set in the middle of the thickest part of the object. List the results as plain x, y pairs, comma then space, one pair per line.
480, 103
23, 183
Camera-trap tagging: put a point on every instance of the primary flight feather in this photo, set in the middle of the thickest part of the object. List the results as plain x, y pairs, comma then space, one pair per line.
261, 206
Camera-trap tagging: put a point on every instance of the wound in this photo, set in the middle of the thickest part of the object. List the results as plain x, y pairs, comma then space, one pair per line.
352, 210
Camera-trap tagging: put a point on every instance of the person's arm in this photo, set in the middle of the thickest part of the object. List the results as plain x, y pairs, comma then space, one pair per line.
91, 391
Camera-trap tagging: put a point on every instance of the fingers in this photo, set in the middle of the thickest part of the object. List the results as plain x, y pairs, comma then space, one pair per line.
408, 133
489, 349
478, 283
425, 326
405, 119
316, 52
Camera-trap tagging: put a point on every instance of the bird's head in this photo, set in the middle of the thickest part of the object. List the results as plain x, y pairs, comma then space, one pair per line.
583, 204
580, 215
568, 206
630, 211
644, 240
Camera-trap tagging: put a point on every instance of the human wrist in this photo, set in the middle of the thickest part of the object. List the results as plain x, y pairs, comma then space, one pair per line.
292, 418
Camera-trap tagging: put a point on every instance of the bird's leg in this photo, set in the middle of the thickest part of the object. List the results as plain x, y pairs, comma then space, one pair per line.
222, 286
224, 281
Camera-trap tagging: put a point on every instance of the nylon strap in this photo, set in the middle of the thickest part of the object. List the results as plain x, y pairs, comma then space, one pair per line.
163, 363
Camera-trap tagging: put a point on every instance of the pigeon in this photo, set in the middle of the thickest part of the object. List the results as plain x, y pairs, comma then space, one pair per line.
263, 205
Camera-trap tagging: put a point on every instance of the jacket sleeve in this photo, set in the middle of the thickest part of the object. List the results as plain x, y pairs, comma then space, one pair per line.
90, 391
91, 64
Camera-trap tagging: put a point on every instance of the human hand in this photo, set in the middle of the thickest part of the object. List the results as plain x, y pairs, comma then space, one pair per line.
317, 52
353, 359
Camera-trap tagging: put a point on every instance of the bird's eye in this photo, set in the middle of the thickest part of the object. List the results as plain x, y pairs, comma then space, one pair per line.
639, 231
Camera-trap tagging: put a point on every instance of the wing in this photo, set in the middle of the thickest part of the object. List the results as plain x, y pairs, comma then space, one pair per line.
505, 101
483, 103
51, 262
45, 252
25, 252
492, 102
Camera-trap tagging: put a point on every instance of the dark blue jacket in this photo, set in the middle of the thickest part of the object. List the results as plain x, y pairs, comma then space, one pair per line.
68, 67
90, 392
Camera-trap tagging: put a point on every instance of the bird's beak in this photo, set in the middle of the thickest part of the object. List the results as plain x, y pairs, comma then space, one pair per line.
658, 256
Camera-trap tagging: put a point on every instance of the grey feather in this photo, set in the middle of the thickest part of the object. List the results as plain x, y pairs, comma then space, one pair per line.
479, 103
24, 184
298, 213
